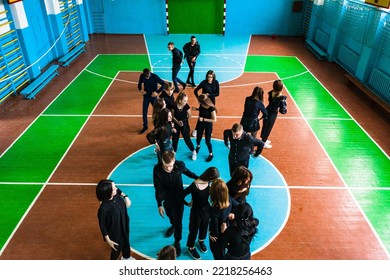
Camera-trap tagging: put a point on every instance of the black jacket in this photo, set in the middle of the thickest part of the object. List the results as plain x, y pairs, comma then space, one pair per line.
169, 185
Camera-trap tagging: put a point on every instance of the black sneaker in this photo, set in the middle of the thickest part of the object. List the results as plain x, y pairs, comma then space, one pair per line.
178, 248
143, 130
202, 246
169, 231
210, 158
194, 253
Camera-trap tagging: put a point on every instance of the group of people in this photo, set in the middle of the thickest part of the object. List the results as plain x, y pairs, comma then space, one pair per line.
217, 208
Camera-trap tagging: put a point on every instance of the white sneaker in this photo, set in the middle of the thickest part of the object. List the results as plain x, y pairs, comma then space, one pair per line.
126, 259
268, 141
193, 133
267, 146
193, 155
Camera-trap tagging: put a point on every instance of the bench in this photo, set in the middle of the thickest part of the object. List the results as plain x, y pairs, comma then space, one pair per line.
70, 56
374, 99
40, 82
320, 54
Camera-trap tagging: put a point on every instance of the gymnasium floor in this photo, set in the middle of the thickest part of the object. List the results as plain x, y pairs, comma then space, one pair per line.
321, 192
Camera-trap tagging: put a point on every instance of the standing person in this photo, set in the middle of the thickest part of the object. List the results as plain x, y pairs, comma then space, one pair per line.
207, 116
182, 114
191, 53
150, 91
161, 135
114, 222
221, 206
238, 237
209, 87
168, 183
276, 103
177, 59
240, 183
253, 106
240, 145
199, 215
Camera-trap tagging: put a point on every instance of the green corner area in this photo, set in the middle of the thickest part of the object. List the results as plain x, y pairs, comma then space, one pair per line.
14, 202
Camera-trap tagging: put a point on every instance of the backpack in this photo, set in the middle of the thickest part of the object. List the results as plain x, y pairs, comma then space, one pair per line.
283, 105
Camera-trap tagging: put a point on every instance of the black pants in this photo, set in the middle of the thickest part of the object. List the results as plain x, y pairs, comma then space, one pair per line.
207, 127
234, 164
176, 80
199, 223
191, 66
122, 247
185, 131
268, 124
148, 99
174, 211
217, 249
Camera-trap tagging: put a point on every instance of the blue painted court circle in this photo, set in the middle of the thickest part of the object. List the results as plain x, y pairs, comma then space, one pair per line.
269, 197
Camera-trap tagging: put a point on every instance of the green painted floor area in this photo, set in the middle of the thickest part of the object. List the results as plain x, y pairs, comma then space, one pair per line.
376, 206
37, 152
82, 95
14, 202
359, 160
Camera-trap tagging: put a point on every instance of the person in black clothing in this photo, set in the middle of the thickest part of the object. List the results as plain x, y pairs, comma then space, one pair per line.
207, 116
167, 95
191, 53
240, 183
114, 222
253, 106
161, 135
150, 91
177, 59
199, 215
276, 103
209, 87
181, 115
238, 237
221, 206
168, 183
240, 145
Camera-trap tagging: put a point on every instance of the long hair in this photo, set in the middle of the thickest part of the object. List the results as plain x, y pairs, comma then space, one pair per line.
205, 101
211, 72
243, 216
219, 194
209, 174
180, 97
162, 119
241, 173
157, 107
258, 93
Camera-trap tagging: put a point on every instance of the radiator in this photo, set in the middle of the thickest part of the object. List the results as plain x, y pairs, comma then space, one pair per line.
348, 58
322, 39
380, 83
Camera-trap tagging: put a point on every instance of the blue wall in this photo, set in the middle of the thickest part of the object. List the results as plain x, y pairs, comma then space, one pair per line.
132, 17
258, 17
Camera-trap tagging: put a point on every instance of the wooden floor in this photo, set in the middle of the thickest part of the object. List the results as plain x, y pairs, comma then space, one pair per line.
62, 222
